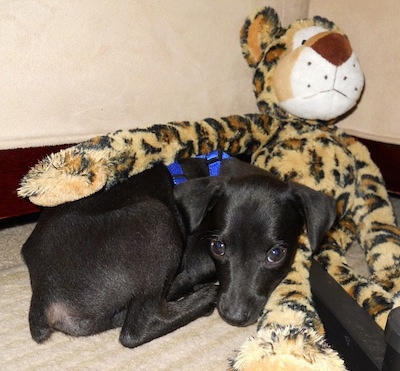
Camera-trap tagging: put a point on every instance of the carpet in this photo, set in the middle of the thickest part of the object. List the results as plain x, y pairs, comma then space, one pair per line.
205, 344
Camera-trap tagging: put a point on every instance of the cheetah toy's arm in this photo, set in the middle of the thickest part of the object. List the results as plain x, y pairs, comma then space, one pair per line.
101, 162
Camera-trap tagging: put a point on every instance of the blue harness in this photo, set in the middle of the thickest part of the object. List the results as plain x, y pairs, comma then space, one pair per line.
213, 160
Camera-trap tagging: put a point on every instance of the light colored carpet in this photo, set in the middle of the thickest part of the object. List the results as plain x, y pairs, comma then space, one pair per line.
205, 344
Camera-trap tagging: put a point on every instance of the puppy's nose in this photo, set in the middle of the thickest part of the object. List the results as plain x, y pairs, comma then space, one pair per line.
236, 315
333, 47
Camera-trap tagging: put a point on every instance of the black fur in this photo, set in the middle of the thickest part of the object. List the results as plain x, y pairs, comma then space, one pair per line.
145, 255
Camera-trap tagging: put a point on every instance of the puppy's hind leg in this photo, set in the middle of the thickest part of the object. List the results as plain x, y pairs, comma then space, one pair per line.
149, 319
38, 324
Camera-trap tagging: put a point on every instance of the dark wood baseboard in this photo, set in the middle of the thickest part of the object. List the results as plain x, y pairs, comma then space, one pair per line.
387, 157
15, 163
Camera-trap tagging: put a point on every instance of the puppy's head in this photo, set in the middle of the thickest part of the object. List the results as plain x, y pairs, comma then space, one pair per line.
252, 224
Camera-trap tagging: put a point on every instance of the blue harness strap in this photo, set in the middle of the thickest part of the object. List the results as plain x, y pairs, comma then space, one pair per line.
176, 171
213, 160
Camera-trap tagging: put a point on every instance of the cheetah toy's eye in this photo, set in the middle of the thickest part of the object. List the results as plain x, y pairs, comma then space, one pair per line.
301, 36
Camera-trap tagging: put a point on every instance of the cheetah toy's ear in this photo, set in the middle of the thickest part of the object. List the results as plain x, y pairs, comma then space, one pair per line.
257, 33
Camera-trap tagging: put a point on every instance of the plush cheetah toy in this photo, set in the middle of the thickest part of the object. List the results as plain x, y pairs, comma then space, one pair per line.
305, 76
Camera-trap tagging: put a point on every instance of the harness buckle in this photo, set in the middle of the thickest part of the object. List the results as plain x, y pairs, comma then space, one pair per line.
212, 159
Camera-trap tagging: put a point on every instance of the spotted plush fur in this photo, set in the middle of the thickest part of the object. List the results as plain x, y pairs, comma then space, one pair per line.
312, 152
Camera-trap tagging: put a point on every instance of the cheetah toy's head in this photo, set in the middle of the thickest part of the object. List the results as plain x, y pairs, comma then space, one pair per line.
307, 70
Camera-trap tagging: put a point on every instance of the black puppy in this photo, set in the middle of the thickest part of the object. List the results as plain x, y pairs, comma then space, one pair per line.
144, 254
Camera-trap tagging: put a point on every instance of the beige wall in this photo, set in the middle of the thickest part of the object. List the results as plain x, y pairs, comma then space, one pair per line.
73, 69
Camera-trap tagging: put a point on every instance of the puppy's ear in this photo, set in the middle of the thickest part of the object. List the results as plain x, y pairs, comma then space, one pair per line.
319, 211
197, 197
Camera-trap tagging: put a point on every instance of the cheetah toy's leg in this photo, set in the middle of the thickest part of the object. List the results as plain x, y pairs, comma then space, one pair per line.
371, 220
368, 294
378, 234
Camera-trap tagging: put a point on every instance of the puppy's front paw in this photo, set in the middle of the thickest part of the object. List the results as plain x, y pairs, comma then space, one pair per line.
207, 296
208, 290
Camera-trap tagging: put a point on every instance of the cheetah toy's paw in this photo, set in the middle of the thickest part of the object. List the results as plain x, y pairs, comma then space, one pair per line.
287, 348
65, 176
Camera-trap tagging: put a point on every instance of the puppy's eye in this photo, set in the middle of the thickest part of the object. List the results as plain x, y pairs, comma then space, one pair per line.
276, 254
217, 247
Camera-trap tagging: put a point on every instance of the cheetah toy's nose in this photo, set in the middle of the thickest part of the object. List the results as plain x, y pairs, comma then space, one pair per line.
333, 47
